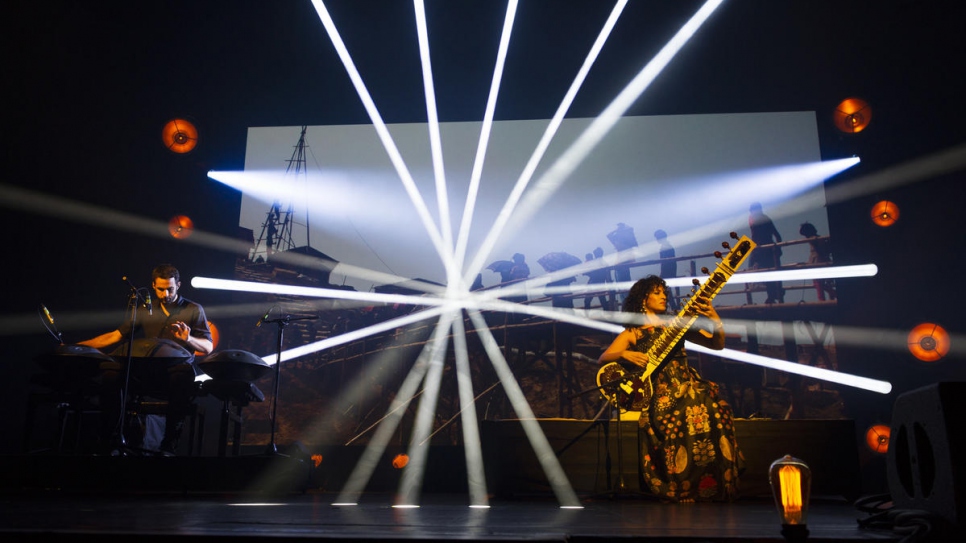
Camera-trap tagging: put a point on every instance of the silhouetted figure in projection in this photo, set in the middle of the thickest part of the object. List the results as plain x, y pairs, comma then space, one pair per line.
623, 239
819, 252
175, 319
477, 283
763, 232
561, 299
270, 239
597, 277
669, 268
518, 272
689, 452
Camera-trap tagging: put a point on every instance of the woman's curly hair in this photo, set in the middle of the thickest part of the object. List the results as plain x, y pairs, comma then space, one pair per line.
636, 296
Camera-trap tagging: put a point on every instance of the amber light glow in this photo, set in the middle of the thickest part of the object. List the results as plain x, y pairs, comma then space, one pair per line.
214, 338
790, 481
885, 213
877, 438
852, 115
181, 226
929, 342
400, 461
179, 135
317, 460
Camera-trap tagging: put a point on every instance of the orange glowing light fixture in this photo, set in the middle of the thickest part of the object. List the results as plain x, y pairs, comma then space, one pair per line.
791, 483
179, 136
877, 438
852, 115
400, 461
885, 213
181, 226
929, 342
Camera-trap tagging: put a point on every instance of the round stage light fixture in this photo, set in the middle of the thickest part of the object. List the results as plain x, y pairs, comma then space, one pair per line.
928, 342
877, 438
852, 115
885, 213
179, 136
400, 461
181, 226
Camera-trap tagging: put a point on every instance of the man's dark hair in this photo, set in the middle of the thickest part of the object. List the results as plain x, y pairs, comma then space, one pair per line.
166, 271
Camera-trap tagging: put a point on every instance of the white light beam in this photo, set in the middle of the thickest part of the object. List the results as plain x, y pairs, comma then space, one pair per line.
538, 441
548, 134
436, 146
445, 252
865, 383
412, 476
467, 219
472, 446
585, 143
362, 472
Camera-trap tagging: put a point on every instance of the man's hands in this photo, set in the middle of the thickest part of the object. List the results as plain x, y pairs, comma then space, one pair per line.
181, 331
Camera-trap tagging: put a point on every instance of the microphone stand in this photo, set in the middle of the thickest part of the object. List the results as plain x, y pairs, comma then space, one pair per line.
620, 488
125, 389
282, 322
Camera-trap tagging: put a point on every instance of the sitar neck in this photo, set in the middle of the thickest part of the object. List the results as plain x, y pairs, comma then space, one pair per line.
672, 333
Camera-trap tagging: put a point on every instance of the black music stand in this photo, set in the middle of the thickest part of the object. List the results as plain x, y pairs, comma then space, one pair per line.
282, 322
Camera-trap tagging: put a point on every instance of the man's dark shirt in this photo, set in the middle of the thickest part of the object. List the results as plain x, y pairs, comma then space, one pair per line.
158, 325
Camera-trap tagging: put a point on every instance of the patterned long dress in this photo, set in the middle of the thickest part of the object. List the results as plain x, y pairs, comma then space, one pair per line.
687, 434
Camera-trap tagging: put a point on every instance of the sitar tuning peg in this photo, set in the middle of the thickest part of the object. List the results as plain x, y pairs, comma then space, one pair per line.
695, 282
726, 245
717, 254
734, 235
704, 270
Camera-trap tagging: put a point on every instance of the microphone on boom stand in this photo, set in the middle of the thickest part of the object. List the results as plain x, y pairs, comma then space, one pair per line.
281, 322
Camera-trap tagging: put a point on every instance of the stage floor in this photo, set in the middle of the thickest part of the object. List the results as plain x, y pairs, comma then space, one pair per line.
40, 509
56, 516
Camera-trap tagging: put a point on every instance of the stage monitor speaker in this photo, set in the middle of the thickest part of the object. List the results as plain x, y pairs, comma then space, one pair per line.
921, 468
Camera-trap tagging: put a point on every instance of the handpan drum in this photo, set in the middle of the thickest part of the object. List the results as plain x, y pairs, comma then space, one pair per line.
76, 360
154, 351
234, 365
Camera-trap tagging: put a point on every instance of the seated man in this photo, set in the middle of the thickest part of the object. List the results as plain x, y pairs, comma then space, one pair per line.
178, 320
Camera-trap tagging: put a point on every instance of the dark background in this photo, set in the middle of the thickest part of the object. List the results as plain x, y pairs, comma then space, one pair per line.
90, 85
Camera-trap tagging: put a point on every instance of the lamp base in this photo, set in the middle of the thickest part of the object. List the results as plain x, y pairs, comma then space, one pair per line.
794, 532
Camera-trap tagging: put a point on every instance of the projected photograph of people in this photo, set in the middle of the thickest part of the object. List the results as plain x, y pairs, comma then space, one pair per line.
563, 238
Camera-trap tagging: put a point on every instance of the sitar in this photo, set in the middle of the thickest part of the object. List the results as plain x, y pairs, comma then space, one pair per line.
628, 388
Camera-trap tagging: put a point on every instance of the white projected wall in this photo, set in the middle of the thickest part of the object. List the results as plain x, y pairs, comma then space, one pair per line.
693, 176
